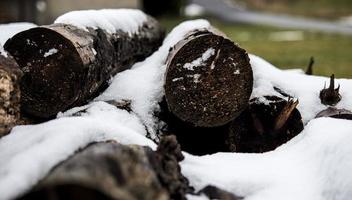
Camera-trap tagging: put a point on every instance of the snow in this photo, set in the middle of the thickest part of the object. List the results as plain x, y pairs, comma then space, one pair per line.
31, 151
314, 165
111, 20
50, 52
200, 61
9, 30
146, 91
2, 51
305, 88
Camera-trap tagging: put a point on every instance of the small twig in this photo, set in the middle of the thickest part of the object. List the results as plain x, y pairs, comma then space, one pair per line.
309, 70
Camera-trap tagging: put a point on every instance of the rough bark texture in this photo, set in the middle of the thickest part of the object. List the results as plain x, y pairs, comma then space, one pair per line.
65, 66
208, 80
10, 76
265, 125
335, 113
113, 171
330, 96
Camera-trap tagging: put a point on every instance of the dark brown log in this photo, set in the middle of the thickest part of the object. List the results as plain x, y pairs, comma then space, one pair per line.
335, 113
309, 70
209, 79
268, 122
65, 66
10, 75
194, 140
113, 171
213, 192
330, 96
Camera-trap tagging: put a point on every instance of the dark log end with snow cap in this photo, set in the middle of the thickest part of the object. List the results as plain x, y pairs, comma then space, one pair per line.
209, 79
65, 66
10, 75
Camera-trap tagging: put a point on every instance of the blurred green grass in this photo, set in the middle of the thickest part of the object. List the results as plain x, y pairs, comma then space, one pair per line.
332, 52
327, 9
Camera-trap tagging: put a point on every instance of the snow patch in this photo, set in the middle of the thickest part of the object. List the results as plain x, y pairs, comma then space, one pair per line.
201, 60
110, 20
2, 51
9, 30
50, 52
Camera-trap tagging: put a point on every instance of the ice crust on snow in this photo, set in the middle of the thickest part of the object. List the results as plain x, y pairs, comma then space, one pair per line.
314, 165
110, 20
200, 61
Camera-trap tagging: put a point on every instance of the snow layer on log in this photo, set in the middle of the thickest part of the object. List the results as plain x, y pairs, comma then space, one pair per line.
146, 89
110, 20
31, 151
314, 165
9, 30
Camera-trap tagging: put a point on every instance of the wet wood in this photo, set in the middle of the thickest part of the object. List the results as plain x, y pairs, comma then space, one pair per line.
335, 113
209, 79
269, 122
65, 66
10, 76
330, 96
109, 170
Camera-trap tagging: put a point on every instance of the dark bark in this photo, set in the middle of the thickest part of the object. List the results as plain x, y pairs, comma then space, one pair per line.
213, 192
335, 113
113, 171
194, 140
309, 70
265, 125
65, 66
10, 76
330, 96
207, 89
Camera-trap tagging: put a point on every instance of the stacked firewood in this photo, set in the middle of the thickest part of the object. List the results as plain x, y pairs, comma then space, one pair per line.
207, 106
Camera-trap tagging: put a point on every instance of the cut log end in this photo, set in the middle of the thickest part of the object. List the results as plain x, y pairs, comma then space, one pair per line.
65, 66
51, 65
269, 122
209, 85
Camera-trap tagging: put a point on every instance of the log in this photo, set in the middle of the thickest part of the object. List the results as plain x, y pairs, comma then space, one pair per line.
269, 122
208, 80
109, 170
335, 113
330, 96
194, 140
213, 192
65, 66
10, 75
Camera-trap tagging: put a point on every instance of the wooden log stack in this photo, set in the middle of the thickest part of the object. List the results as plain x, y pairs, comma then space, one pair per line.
10, 76
65, 65
109, 170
